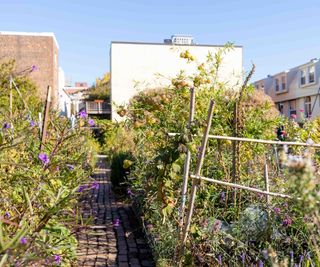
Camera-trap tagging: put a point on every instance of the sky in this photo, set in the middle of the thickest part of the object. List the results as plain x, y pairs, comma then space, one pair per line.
275, 35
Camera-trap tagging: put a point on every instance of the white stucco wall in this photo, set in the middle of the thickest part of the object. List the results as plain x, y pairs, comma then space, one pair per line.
138, 66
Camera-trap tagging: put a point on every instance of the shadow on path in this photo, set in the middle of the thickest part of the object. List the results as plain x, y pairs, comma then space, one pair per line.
113, 237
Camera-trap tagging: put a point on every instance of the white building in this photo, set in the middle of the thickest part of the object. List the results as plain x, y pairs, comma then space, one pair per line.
136, 66
295, 91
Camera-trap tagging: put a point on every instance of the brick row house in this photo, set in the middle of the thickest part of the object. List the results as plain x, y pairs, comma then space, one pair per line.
295, 91
34, 50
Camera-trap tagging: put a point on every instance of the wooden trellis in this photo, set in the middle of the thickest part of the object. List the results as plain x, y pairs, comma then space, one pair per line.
197, 178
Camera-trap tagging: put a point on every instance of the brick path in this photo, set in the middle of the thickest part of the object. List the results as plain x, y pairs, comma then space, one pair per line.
102, 242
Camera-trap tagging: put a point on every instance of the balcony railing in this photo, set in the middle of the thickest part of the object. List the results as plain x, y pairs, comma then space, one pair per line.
98, 107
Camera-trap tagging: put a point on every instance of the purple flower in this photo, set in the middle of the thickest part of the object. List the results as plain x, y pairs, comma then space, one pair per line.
223, 196
260, 264
70, 166
33, 68
129, 192
220, 259
243, 257
57, 259
300, 259
44, 158
95, 185
6, 125
81, 188
91, 122
32, 123
291, 255
82, 114
116, 223
7, 215
277, 210
287, 221
23, 241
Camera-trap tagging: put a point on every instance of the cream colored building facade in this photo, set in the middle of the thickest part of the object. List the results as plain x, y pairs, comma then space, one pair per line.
295, 91
138, 66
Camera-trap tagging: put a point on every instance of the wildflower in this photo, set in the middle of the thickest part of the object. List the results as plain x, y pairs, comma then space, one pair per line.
220, 259
57, 259
32, 123
265, 254
95, 185
276, 210
23, 241
44, 158
82, 114
300, 259
287, 221
70, 166
243, 257
116, 223
293, 116
129, 192
91, 122
81, 188
7, 215
33, 68
291, 255
260, 263
6, 125
223, 196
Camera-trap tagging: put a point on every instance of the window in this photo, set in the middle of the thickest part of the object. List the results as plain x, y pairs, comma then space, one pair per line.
303, 77
307, 106
277, 85
292, 108
280, 107
311, 74
283, 83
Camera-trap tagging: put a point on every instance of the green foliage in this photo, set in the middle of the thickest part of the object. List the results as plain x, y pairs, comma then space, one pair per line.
120, 167
101, 90
228, 227
39, 189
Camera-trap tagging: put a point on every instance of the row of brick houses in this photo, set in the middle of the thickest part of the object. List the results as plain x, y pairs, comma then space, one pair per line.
295, 91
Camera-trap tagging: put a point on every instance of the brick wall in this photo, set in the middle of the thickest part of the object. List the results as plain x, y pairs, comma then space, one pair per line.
29, 50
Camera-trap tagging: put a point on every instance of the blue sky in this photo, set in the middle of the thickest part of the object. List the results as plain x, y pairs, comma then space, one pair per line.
276, 35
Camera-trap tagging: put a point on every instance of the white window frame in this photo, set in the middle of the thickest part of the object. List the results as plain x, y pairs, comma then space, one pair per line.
307, 106
305, 77
277, 85
281, 107
314, 74
292, 110
281, 80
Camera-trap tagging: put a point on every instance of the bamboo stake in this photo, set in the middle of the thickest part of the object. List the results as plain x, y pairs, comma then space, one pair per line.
266, 180
11, 102
46, 118
221, 137
198, 177
195, 183
187, 161
17, 89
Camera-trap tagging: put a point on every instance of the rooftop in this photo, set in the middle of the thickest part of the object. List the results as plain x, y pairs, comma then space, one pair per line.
46, 34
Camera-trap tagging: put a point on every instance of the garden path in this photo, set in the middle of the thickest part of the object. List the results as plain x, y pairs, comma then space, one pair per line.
114, 236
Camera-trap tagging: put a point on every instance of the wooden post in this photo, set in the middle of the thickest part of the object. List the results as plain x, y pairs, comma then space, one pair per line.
195, 183
45, 118
11, 104
187, 161
266, 180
